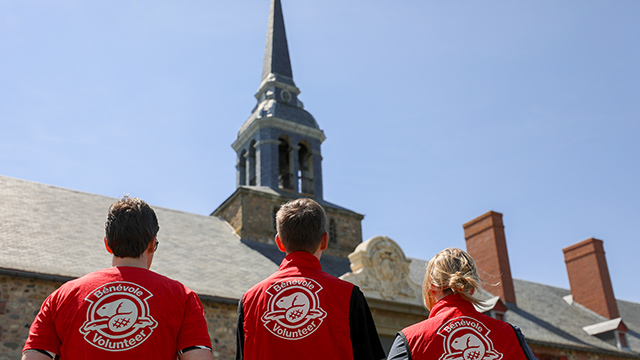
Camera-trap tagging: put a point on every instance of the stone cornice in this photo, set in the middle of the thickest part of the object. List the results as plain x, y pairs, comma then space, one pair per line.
255, 124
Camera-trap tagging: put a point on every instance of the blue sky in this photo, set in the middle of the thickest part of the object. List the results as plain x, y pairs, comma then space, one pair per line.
434, 112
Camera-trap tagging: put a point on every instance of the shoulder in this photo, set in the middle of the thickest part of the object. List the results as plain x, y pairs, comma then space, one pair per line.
334, 281
418, 328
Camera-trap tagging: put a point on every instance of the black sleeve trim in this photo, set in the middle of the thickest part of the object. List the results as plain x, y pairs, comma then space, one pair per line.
406, 344
364, 336
193, 348
240, 332
44, 352
523, 344
400, 348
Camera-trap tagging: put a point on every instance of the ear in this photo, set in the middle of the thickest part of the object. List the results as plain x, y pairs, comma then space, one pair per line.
280, 244
107, 246
152, 246
325, 241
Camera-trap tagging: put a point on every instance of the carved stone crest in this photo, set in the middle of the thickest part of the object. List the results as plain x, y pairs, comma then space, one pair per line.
381, 270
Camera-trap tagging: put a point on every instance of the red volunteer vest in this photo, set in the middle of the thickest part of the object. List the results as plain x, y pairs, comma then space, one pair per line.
299, 312
456, 330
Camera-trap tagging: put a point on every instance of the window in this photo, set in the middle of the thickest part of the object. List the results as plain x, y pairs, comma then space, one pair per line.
251, 164
622, 340
242, 168
285, 177
273, 222
305, 169
333, 232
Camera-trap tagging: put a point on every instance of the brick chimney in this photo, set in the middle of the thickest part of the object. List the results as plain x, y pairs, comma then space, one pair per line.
589, 277
487, 245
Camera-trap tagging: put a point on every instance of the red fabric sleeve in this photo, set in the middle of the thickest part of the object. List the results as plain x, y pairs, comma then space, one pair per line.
193, 331
42, 334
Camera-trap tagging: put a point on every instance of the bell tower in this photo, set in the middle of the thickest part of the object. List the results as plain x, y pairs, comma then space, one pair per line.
278, 155
279, 145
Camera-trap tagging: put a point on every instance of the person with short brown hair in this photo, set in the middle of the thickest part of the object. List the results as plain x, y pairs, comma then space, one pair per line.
125, 311
301, 312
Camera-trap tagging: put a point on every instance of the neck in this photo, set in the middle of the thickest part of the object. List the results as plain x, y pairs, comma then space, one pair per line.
140, 262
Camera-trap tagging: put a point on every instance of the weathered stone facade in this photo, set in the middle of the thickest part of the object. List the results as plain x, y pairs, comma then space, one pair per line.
221, 321
20, 301
348, 231
251, 213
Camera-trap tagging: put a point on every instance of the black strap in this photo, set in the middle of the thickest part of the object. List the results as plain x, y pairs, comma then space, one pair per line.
523, 344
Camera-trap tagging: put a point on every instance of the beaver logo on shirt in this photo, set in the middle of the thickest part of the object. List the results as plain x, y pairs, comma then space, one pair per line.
466, 338
118, 318
294, 308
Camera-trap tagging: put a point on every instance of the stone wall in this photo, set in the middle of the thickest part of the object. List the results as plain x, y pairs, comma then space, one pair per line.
349, 232
221, 321
252, 214
20, 301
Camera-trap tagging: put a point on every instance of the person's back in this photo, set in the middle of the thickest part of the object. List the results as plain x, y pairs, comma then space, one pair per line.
126, 311
454, 328
299, 305
120, 311
301, 312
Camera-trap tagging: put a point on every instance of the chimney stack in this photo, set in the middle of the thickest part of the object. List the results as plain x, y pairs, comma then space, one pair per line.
487, 245
589, 277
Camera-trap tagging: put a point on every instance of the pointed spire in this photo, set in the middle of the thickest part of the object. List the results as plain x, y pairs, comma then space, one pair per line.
276, 53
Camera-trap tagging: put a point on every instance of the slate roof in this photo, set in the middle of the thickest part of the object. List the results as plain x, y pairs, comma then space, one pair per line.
546, 318
333, 265
58, 233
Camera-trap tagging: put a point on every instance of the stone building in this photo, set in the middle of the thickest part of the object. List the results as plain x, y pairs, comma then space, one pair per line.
49, 235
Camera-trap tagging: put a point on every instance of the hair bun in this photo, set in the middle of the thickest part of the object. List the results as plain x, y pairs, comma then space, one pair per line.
458, 282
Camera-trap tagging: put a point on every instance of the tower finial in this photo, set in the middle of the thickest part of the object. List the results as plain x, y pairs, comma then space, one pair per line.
276, 53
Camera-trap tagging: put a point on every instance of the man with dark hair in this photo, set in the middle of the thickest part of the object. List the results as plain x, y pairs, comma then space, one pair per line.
301, 312
126, 311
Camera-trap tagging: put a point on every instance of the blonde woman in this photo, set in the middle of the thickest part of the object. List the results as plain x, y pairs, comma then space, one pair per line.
454, 328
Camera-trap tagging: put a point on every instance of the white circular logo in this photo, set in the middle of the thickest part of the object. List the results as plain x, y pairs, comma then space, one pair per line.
294, 308
118, 318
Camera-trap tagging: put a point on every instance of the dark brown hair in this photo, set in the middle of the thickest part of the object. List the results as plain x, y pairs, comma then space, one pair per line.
301, 224
130, 227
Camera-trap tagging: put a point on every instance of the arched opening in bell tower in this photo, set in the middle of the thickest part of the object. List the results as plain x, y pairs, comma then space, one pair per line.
305, 169
285, 176
242, 168
251, 164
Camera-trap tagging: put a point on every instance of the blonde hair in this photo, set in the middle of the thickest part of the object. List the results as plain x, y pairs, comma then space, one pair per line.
452, 269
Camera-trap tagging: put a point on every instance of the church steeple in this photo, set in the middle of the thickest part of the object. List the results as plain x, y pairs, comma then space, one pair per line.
279, 158
279, 145
276, 53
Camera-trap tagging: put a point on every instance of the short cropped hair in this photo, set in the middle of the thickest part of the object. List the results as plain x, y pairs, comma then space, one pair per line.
301, 223
130, 227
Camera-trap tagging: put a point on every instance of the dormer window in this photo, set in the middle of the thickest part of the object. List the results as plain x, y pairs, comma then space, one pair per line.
622, 340
613, 332
494, 307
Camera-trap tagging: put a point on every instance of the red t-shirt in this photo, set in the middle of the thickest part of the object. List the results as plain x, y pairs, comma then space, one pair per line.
123, 312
